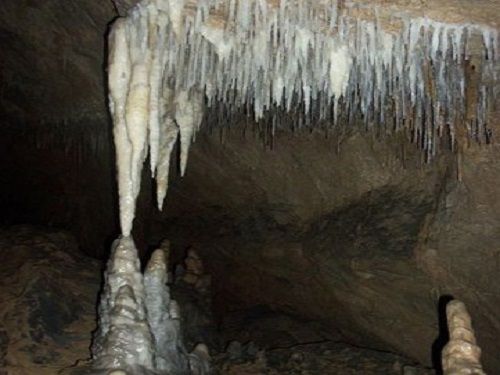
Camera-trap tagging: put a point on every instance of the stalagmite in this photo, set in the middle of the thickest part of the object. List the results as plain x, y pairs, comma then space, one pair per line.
199, 360
462, 355
139, 324
123, 339
171, 355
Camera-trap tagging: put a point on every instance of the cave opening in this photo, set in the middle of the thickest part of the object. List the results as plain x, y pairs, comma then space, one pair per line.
249, 187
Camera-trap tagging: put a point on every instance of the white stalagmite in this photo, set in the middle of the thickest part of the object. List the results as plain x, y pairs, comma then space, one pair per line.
128, 343
171, 356
139, 324
123, 338
462, 355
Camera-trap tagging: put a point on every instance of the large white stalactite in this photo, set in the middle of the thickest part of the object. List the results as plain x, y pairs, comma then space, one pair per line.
172, 60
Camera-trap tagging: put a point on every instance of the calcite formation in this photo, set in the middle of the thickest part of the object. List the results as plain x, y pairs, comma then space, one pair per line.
173, 61
139, 324
328, 61
462, 355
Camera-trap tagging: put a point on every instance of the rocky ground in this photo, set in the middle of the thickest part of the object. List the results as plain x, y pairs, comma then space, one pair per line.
47, 301
47, 313
327, 358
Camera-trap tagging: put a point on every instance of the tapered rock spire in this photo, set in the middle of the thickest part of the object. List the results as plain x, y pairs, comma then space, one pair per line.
462, 355
171, 60
139, 324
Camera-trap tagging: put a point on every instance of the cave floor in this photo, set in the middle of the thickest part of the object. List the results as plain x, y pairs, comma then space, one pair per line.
48, 292
319, 359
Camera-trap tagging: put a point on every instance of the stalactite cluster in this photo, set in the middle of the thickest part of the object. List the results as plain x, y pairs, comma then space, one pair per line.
170, 59
320, 61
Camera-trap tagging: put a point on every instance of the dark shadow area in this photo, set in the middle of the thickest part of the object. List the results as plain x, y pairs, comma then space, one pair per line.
442, 339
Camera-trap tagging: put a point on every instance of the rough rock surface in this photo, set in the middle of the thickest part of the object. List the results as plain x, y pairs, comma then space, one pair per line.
53, 68
320, 358
52, 103
48, 293
366, 242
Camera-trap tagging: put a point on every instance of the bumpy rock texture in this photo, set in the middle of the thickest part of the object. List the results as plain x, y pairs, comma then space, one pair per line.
47, 293
365, 241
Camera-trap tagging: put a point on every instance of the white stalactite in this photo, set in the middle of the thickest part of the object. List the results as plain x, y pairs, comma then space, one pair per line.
157, 42
170, 57
188, 115
219, 39
175, 12
310, 57
119, 69
168, 136
340, 67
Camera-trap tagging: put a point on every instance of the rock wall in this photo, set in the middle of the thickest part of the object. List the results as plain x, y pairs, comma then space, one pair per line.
47, 292
353, 233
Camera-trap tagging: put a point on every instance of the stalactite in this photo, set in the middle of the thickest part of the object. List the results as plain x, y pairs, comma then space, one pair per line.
285, 63
317, 60
188, 115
